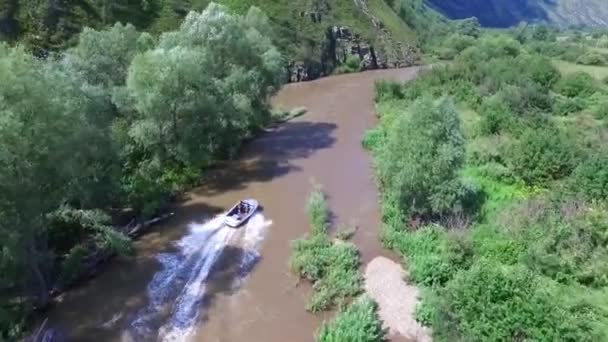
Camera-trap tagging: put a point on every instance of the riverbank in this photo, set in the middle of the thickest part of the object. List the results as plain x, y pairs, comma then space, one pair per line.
276, 169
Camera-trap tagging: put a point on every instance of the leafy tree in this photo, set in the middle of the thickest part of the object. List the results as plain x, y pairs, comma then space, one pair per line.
422, 156
103, 57
42, 121
203, 88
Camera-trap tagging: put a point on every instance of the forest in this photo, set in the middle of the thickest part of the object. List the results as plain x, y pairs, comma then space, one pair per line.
112, 129
492, 169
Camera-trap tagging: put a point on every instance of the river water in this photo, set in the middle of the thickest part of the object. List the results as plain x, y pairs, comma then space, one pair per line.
193, 279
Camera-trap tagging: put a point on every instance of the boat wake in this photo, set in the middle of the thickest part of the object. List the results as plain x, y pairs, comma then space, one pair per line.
212, 258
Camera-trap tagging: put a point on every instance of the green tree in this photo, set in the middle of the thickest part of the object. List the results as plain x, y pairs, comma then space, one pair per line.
41, 124
423, 154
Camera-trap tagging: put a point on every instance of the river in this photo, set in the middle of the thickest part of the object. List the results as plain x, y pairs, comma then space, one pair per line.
192, 279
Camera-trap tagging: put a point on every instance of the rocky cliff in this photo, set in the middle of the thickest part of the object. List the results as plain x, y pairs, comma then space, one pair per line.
377, 41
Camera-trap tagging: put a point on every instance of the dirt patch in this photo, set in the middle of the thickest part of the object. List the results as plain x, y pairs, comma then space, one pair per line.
384, 282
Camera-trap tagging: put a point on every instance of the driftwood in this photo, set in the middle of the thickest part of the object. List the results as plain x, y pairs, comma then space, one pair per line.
136, 229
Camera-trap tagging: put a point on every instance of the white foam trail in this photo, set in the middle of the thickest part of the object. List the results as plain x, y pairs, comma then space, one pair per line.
179, 287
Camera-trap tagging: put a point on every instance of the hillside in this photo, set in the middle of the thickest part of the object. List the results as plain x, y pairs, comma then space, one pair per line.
500, 13
316, 35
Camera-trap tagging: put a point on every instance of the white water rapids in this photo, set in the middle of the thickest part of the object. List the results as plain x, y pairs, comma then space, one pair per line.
179, 293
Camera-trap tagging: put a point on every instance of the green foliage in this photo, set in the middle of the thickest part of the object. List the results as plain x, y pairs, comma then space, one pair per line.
592, 58
387, 89
121, 120
352, 64
332, 266
568, 105
591, 177
71, 266
423, 153
541, 155
530, 263
576, 84
494, 302
318, 211
496, 116
359, 322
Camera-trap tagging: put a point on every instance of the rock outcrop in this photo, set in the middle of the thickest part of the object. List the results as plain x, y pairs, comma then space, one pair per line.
341, 42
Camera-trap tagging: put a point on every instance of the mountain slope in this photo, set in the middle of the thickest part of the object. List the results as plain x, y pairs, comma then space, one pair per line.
502, 13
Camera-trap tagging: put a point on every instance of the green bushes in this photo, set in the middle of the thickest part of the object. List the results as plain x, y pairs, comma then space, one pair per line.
332, 266
352, 64
359, 322
579, 84
494, 302
529, 264
422, 155
591, 58
541, 155
591, 177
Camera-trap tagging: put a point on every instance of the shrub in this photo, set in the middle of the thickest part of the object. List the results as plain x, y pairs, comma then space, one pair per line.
568, 105
591, 58
493, 302
352, 64
577, 84
422, 156
526, 100
72, 265
600, 110
495, 116
359, 322
541, 155
591, 177
372, 139
387, 89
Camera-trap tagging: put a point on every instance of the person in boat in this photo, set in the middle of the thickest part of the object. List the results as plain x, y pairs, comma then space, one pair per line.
242, 209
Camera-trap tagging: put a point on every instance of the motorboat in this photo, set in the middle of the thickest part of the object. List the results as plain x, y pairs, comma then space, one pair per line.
241, 212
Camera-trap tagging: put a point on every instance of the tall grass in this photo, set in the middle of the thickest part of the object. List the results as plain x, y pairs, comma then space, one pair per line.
330, 265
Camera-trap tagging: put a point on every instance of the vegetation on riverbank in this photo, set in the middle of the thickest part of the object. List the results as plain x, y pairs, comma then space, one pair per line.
492, 174
358, 322
116, 127
332, 266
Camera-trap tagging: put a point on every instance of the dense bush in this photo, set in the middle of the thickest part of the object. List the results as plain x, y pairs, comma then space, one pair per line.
592, 58
577, 84
541, 155
494, 302
359, 322
420, 162
591, 177
495, 116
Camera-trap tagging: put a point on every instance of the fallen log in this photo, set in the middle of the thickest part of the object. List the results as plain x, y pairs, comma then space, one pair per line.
137, 230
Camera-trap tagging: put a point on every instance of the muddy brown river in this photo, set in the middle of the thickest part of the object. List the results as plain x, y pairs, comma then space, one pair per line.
192, 279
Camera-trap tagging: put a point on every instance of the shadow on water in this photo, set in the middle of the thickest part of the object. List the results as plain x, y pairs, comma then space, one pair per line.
271, 156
